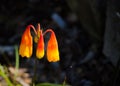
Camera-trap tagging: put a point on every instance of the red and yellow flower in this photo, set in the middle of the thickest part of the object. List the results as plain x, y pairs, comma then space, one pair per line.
26, 45
52, 48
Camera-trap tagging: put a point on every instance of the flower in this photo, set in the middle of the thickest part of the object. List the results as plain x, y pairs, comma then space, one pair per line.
40, 46
52, 48
26, 45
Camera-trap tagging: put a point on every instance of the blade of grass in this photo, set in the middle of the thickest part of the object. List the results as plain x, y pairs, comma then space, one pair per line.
4, 75
64, 83
17, 60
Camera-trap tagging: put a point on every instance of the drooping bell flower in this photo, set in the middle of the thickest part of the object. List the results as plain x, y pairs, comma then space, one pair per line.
26, 44
52, 48
40, 46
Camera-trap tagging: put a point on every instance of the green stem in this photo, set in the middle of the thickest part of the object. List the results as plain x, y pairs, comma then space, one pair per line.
17, 61
35, 70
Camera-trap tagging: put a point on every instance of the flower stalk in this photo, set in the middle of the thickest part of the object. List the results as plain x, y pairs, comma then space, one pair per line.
26, 46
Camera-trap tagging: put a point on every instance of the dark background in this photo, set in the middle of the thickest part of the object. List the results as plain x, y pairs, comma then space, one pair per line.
88, 39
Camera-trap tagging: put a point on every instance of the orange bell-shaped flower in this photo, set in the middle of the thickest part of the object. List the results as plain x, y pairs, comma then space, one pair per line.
52, 48
40, 46
26, 44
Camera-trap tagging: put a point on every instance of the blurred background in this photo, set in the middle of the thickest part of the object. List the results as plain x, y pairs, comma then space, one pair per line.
88, 34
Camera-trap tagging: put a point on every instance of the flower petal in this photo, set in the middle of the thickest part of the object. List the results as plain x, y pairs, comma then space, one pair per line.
40, 46
25, 49
52, 48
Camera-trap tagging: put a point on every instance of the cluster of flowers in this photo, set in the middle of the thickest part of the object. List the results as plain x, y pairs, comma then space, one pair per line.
26, 45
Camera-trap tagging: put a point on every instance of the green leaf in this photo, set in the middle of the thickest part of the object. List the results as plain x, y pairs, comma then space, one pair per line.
50, 84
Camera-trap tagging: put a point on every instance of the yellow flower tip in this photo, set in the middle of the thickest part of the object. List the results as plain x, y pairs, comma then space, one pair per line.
40, 46
52, 48
25, 49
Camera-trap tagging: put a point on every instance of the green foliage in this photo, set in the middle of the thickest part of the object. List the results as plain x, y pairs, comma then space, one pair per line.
4, 75
4, 71
13, 82
50, 84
